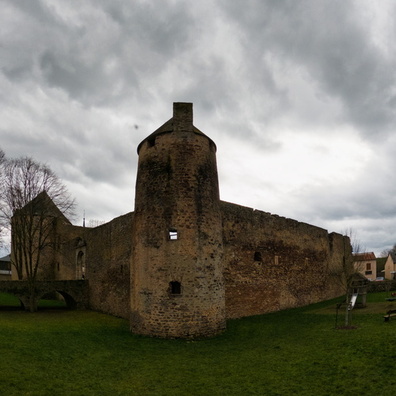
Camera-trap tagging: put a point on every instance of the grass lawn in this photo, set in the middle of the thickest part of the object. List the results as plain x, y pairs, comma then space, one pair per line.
294, 352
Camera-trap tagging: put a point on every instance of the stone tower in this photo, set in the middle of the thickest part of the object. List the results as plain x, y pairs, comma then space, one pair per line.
177, 286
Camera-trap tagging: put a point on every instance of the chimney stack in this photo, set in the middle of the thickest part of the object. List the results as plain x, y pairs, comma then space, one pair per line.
183, 117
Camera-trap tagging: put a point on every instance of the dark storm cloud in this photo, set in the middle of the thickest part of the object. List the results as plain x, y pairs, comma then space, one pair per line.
266, 78
98, 55
359, 200
335, 47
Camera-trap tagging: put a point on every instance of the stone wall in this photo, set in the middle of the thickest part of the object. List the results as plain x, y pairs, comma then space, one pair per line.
273, 263
68, 240
270, 262
101, 255
107, 261
177, 278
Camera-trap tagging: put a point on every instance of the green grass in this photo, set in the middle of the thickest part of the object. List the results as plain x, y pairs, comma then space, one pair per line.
294, 352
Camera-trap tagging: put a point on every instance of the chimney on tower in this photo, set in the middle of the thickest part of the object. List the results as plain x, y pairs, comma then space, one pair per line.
182, 117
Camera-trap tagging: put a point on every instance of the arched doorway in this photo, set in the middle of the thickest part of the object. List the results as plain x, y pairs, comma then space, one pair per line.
57, 299
80, 265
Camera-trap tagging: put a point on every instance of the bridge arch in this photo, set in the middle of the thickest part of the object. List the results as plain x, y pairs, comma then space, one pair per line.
12, 299
74, 292
70, 301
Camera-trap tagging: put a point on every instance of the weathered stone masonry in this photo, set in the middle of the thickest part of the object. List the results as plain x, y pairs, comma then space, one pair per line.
274, 263
177, 237
183, 262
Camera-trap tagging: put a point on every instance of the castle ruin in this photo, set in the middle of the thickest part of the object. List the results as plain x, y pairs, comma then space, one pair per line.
184, 261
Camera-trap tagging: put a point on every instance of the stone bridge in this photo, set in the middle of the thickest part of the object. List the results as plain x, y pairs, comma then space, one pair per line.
75, 292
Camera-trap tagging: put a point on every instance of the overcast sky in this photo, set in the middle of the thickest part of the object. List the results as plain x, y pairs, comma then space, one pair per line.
298, 95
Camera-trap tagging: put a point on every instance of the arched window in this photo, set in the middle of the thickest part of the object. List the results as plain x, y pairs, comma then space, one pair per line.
80, 270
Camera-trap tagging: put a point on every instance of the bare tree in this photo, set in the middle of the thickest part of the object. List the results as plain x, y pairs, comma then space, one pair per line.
386, 252
2, 160
32, 201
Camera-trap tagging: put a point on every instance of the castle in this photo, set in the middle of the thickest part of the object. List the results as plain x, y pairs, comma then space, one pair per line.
184, 261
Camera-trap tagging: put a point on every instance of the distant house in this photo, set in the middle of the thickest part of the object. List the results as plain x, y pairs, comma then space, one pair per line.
5, 268
390, 266
366, 264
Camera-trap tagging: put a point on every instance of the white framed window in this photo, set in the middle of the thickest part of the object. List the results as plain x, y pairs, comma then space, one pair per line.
172, 234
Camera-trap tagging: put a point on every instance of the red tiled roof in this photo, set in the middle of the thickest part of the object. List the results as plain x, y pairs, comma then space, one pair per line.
364, 256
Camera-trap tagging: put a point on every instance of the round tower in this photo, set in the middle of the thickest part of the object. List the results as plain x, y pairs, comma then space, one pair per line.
177, 286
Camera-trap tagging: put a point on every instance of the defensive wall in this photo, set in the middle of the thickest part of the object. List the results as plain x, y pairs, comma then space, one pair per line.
102, 255
273, 263
108, 257
270, 262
